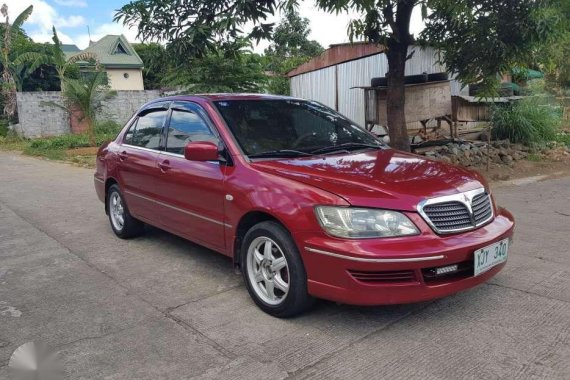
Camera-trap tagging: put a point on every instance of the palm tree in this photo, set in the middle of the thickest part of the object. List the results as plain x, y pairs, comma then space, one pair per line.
10, 67
83, 98
55, 58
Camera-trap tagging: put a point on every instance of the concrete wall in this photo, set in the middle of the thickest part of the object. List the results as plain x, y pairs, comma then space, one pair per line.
133, 82
40, 120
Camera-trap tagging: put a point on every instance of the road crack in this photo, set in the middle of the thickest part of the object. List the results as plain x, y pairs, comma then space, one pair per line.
385, 327
128, 291
528, 292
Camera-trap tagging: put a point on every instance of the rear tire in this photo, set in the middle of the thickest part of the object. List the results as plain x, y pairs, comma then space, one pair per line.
124, 225
273, 271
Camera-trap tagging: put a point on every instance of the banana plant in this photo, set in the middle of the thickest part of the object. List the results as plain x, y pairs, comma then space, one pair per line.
11, 68
55, 58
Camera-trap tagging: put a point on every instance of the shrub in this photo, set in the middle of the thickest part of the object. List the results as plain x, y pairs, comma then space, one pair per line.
528, 121
60, 142
107, 127
563, 138
4, 129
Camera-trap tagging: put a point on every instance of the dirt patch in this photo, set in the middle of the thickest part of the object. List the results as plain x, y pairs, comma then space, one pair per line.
89, 151
523, 169
84, 157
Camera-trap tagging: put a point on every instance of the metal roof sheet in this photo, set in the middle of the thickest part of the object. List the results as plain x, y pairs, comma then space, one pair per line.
115, 51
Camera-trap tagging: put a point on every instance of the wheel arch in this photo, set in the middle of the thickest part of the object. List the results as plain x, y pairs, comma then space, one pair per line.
245, 223
108, 183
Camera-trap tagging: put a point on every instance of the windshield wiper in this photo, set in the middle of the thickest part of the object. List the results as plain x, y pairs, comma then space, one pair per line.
345, 147
280, 153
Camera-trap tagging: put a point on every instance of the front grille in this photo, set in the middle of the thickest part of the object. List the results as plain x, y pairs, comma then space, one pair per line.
458, 212
384, 276
482, 209
449, 216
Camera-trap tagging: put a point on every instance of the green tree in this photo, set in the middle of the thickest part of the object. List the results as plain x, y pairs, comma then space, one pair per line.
156, 64
290, 47
11, 71
478, 38
43, 78
192, 28
230, 68
56, 57
291, 37
553, 58
27, 77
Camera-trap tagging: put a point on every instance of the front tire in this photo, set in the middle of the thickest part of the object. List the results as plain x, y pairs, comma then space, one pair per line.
273, 271
124, 225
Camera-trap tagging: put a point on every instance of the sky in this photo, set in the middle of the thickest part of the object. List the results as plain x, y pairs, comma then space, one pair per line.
72, 18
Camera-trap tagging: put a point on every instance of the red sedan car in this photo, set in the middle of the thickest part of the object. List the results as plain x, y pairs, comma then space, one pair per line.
305, 202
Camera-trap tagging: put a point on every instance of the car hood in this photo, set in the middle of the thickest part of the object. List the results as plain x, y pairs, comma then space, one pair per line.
377, 178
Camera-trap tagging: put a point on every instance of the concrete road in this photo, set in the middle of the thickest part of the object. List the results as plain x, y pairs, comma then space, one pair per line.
161, 307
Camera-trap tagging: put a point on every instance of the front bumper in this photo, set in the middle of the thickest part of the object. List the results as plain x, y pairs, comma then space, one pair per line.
396, 270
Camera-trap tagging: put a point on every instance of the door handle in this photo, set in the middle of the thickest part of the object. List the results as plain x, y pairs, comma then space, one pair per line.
164, 165
123, 155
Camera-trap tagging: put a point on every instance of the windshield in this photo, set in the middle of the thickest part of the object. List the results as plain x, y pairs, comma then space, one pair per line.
284, 127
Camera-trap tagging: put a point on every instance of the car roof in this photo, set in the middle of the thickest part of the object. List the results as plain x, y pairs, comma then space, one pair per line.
222, 97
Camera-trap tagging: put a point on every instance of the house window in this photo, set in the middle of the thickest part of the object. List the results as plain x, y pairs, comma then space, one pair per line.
120, 49
126, 75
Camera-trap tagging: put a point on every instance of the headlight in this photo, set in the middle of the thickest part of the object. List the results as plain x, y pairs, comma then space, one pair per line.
350, 222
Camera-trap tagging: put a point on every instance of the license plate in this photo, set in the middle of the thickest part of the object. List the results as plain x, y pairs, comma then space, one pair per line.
487, 257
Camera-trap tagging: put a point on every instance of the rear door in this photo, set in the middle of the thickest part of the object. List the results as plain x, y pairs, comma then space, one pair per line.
191, 192
138, 170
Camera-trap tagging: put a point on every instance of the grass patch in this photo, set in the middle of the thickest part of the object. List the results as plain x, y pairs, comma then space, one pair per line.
58, 147
4, 127
535, 157
563, 138
12, 142
529, 121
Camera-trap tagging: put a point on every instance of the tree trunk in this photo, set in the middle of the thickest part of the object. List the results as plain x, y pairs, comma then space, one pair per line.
396, 97
397, 55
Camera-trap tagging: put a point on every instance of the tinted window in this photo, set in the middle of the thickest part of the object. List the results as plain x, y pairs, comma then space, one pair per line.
269, 125
184, 127
130, 133
147, 130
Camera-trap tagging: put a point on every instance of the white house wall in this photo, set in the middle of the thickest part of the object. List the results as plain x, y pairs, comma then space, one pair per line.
319, 85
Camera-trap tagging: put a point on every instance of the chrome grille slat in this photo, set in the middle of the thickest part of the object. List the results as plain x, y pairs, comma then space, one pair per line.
460, 212
450, 218
445, 213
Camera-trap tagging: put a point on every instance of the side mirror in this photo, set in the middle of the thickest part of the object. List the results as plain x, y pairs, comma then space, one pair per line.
201, 151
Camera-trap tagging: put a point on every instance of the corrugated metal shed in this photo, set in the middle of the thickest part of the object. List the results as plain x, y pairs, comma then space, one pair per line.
336, 54
320, 83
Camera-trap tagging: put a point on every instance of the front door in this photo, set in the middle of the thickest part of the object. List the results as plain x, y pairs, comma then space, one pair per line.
191, 192
138, 170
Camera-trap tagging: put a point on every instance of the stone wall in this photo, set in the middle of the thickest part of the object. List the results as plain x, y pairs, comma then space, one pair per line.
38, 119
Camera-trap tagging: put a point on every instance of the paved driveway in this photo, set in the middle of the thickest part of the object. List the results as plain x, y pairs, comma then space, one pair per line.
161, 307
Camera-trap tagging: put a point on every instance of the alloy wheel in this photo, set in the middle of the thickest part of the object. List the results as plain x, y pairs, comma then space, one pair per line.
268, 271
117, 211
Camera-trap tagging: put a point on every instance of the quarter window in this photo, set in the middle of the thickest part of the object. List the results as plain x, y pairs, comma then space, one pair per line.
130, 133
185, 127
147, 130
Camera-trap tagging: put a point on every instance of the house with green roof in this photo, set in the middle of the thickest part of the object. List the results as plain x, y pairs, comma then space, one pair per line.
121, 62
69, 50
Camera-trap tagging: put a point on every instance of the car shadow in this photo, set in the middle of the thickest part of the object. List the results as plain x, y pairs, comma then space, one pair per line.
219, 265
